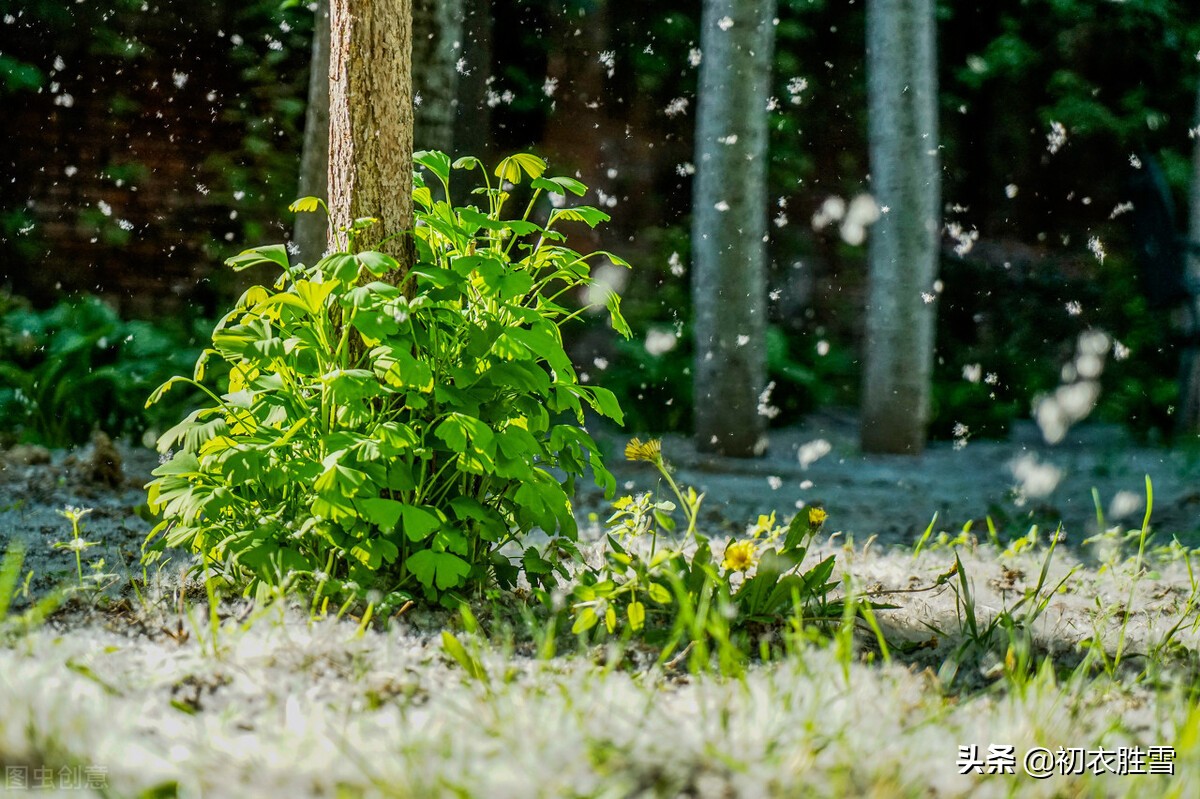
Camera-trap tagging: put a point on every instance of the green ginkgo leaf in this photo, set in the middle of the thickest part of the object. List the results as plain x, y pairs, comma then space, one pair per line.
378, 263
273, 254
459, 429
584, 213
442, 569
382, 512
436, 162
419, 523
468, 162
560, 186
510, 168
305, 205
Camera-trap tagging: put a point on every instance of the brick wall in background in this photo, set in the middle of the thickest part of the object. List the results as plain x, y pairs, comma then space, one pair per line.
132, 175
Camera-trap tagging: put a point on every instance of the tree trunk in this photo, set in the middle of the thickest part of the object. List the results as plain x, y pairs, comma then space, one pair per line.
371, 122
581, 129
311, 234
903, 250
1189, 384
729, 226
437, 45
473, 117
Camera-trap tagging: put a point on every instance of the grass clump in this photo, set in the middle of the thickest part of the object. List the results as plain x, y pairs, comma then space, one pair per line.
14, 591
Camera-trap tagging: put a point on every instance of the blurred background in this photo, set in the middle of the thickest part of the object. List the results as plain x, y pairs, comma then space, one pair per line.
147, 140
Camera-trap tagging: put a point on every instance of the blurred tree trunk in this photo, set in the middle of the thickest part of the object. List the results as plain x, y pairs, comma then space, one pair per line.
371, 122
437, 43
1189, 402
582, 129
729, 226
311, 232
903, 250
473, 120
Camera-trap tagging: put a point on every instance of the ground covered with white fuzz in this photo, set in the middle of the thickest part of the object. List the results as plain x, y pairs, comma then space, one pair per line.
280, 706
150, 698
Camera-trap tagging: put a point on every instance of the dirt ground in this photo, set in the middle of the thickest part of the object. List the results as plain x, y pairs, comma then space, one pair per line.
1018, 483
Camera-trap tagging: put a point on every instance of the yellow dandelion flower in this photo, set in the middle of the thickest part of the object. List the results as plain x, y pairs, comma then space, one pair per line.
649, 451
739, 556
816, 517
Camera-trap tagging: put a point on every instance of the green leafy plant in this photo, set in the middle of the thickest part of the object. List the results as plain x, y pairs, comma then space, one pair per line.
396, 438
683, 594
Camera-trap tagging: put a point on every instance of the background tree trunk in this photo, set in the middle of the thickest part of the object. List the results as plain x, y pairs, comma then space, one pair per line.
437, 46
729, 226
903, 250
1189, 384
311, 234
473, 118
371, 121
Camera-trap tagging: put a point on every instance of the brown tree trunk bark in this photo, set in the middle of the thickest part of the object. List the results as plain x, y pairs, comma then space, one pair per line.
371, 123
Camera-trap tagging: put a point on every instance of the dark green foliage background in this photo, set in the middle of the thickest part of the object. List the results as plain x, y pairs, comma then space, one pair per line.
1121, 78
78, 367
